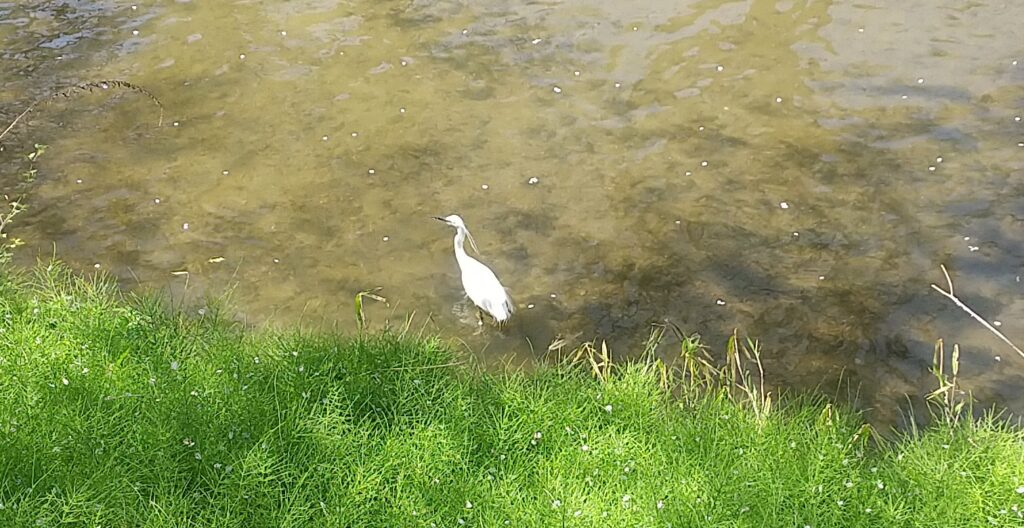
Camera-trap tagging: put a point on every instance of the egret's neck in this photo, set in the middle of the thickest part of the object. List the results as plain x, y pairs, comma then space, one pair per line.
460, 251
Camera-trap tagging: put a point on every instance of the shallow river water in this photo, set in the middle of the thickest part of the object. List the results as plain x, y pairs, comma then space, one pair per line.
794, 169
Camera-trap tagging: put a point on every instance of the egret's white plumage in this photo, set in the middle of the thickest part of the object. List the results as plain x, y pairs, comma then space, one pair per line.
480, 283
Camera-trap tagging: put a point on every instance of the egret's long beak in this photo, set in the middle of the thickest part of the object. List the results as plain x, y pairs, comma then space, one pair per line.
439, 219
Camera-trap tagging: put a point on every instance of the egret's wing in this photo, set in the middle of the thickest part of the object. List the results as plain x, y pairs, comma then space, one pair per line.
510, 305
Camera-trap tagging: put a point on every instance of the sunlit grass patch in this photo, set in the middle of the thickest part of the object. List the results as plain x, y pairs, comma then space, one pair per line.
120, 412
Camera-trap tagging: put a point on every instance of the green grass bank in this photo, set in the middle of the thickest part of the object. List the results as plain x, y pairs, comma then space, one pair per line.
116, 412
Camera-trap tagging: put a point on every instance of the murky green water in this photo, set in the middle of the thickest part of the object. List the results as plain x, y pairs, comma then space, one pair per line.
794, 169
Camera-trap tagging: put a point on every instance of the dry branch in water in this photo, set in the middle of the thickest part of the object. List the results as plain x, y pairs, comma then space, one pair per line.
951, 296
88, 87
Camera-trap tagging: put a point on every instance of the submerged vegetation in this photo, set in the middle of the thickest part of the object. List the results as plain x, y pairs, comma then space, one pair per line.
120, 412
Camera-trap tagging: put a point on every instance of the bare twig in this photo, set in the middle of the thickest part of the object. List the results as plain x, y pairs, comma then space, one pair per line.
949, 295
89, 87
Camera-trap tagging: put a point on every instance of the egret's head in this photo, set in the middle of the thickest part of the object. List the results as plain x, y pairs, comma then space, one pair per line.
456, 222
452, 220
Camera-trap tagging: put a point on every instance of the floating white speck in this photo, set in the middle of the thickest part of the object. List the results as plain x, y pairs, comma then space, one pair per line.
355, 134
931, 168
241, 56
78, 180
553, 295
224, 172
1017, 119
700, 128
386, 238
679, 222
175, 123
135, 32
966, 238
556, 89
860, 30
404, 63
618, 84
371, 171
1021, 144
465, 32
134, 7
530, 306
920, 80
903, 97
284, 33
323, 138
184, 226
533, 181
96, 265
998, 358
277, 261
938, 159
704, 163
156, 200
796, 233
972, 249
537, 41
720, 302
689, 173
720, 67
401, 110
485, 186
778, 99
636, 28
997, 323
576, 73
1014, 63
784, 205
821, 277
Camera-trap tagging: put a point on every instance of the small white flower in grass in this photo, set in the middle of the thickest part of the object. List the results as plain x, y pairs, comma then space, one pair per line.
174, 365
64, 381
462, 521
660, 505
199, 456
577, 513
217, 465
880, 484
744, 509
469, 505
1020, 490
841, 502
848, 484
584, 448
556, 504
867, 510
608, 408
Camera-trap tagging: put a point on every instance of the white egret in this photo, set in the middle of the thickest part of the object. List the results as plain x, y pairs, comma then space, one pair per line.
480, 283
